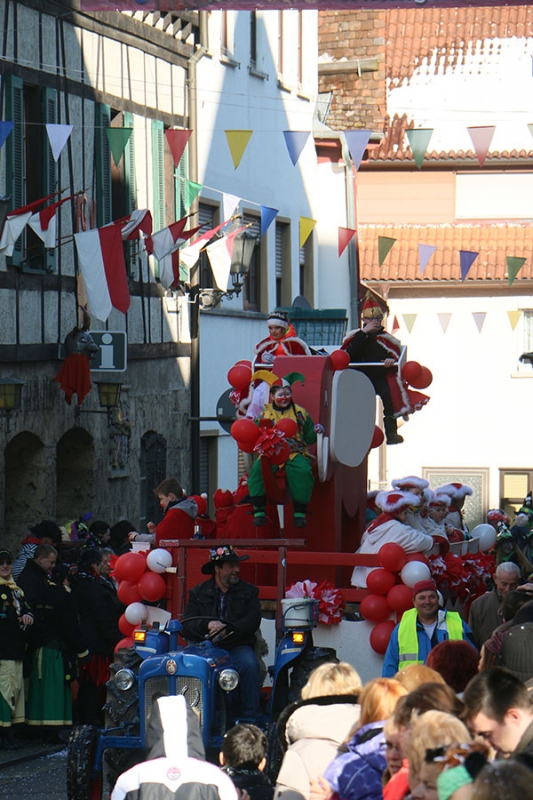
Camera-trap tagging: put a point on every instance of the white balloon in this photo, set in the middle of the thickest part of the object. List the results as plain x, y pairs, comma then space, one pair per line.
135, 613
158, 560
413, 572
486, 536
479, 530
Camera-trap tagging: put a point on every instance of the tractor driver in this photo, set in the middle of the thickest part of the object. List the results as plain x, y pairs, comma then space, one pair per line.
223, 599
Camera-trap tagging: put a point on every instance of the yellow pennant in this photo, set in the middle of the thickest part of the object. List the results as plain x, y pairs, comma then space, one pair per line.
514, 316
237, 143
306, 226
409, 320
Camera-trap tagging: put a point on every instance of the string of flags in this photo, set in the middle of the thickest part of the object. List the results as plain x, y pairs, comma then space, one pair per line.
445, 319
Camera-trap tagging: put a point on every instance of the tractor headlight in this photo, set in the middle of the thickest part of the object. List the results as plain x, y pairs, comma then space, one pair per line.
124, 679
228, 680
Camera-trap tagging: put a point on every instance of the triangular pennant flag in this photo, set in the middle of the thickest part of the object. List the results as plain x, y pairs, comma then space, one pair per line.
118, 139
164, 240
13, 227
295, 141
385, 243
419, 139
58, 136
177, 141
44, 222
237, 143
220, 253
267, 215
306, 226
189, 255
514, 316
481, 138
514, 265
479, 318
5, 130
409, 320
395, 325
192, 190
345, 235
425, 251
140, 220
467, 258
357, 142
229, 204
444, 320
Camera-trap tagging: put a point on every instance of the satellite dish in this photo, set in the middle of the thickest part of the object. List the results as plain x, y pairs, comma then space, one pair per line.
301, 302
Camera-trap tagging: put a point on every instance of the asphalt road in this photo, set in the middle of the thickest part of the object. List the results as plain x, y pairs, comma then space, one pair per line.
37, 779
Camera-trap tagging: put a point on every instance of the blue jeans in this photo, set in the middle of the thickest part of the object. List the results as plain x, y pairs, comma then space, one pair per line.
247, 665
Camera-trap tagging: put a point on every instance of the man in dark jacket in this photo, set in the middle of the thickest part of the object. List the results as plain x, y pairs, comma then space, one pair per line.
230, 615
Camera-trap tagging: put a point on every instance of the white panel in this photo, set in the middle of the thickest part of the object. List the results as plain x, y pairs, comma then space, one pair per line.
506, 196
353, 411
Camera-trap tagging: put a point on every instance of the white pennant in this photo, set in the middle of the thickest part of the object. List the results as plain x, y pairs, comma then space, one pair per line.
229, 204
58, 136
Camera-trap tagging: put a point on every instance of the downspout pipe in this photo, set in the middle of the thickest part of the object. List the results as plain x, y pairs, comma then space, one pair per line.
353, 245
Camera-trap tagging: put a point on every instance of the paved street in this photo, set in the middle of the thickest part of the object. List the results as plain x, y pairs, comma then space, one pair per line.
35, 779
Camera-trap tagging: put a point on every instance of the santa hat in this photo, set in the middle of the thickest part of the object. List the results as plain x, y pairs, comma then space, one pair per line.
440, 499
427, 496
457, 491
394, 502
497, 515
411, 482
280, 318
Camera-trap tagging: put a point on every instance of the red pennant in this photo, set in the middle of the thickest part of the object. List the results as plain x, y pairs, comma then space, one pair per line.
345, 236
177, 141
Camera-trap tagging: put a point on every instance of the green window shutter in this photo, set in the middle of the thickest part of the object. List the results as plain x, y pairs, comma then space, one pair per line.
102, 159
181, 175
129, 165
15, 155
50, 116
158, 173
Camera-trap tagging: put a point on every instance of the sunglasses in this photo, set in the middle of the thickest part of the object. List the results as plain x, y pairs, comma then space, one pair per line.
5, 561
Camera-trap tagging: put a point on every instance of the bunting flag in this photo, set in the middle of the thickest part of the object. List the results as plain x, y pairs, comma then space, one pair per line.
189, 255
220, 253
295, 141
345, 235
192, 190
425, 251
419, 139
481, 138
102, 265
467, 258
139, 220
15, 222
409, 320
229, 204
306, 226
177, 141
385, 244
267, 216
58, 136
237, 143
118, 139
170, 271
514, 316
395, 325
162, 242
357, 142
514, 265
5, 130
44, 222
479, 318
444, 320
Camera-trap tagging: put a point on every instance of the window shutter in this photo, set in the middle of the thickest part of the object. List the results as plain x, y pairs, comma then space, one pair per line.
103, 193
181, 175
158, 173
50, 167
129, 165
15, 166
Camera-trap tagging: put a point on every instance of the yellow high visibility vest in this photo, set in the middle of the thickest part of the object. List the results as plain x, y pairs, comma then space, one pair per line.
408, 639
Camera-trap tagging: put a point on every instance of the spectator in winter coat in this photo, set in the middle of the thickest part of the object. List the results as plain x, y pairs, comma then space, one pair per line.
243, 758
46, 532
179, 515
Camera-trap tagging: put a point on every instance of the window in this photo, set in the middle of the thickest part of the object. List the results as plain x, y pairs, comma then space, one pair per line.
283, 263
206, 218
306, 287
153, 468
280, 42
30, 108
515, 484
102, 193
224, 33
252, 285
253, 38
299, 49
525, 341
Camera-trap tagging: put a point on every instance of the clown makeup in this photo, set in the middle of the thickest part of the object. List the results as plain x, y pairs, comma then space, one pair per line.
282, 397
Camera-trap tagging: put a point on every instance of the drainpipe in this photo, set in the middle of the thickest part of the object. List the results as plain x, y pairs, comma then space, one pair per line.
351, 221
192, 85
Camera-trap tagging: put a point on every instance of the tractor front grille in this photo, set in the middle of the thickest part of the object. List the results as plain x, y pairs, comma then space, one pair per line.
164, 685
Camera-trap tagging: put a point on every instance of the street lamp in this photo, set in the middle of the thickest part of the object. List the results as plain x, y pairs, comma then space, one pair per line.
10, 394
108, 397
241, 259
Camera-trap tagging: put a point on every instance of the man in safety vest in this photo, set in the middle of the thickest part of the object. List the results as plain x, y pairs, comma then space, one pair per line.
421, 629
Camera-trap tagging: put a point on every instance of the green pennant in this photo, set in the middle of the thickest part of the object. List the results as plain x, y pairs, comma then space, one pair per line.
514, 265
118, 139
385, 244
192, 190
419, 140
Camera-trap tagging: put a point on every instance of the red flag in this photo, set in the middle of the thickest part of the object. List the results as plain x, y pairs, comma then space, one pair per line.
345, 236
101, 259
177, 141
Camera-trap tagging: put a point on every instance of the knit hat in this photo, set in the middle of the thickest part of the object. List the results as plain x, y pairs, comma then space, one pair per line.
397, 501
218, 555
428, 585
280, 318
411, 482
457, 491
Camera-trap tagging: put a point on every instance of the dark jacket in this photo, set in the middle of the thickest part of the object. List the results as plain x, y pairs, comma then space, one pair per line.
12, 636
34, 582
241, 607
256, 783
97, 615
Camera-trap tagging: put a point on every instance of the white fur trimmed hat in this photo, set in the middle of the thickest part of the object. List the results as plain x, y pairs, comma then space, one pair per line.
411, 482
396, 501
457, 491
440, 499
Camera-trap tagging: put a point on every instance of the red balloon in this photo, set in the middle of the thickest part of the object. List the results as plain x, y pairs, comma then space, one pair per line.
417, 557
244, 430
374, 607
126, 642
392, 556
281, 456
411, 371
127, 592
246, 447
380, 635
339, 359
379, 581
129, 567
288, 426
424, 380
240, 375
400, 598
378, 437
152, 586
124, 626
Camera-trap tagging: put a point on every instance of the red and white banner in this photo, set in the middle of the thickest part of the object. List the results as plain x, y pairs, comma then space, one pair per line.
102, 265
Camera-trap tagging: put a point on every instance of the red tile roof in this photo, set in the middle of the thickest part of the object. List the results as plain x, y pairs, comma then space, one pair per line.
494, 242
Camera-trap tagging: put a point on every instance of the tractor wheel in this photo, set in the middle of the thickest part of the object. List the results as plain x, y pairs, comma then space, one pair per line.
82, 782
122, 716
304, 666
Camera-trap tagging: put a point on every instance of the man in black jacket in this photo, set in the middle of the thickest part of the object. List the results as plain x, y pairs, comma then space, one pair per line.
230, 614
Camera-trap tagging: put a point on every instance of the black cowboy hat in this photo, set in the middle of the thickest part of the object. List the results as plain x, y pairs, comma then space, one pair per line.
220, 554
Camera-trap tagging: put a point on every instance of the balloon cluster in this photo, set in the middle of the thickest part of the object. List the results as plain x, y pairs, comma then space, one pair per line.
388, 594
139, 578
270, 441
416, 375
